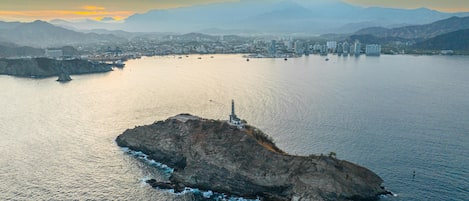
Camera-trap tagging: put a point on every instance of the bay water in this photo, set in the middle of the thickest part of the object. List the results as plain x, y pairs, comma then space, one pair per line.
404, 117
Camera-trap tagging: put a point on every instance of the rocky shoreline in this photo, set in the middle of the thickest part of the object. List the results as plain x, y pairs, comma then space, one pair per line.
213, 155
46, 67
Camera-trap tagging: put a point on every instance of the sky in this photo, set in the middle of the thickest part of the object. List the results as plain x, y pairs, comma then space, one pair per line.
30, 10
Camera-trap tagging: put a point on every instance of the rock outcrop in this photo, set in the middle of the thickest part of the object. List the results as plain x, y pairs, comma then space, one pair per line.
45, 67
64, 77
213, 155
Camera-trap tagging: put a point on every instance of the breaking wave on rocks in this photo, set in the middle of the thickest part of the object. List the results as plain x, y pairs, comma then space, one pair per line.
168, 171
141, 156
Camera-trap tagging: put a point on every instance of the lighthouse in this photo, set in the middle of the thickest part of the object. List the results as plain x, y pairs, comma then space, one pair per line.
234, 120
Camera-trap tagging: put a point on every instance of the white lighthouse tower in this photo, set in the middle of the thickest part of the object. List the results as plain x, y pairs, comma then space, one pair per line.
234, 120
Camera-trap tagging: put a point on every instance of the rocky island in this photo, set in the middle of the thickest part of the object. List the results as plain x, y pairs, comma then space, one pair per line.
219, 156
46, 67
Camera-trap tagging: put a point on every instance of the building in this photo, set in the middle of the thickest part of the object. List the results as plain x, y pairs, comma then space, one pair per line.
273, 48
356, 48
373, 50
316, 48
53, 53
447, 52
340, 49
345, 48
331, 46
234, 120
299, 47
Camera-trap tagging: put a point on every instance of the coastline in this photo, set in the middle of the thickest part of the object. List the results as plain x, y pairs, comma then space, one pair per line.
46, 67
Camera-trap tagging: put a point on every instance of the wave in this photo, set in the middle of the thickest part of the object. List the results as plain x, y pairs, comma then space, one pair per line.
168, 170
140, 155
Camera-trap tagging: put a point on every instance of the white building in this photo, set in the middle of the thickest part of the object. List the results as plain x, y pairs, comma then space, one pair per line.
51, 53
373, 50
356, 48
331, 46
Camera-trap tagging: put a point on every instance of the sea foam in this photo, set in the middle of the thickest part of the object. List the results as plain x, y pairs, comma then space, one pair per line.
168, 170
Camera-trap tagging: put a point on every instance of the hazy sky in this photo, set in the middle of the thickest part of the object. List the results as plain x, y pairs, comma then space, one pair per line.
442, 5
28, 10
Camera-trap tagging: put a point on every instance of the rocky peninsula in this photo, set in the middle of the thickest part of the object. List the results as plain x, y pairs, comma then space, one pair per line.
46, 67
215, 155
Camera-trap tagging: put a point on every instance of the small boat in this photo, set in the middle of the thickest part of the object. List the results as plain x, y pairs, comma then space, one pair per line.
119, 64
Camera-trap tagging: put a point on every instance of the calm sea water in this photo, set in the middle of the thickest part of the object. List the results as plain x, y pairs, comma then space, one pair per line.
392, 114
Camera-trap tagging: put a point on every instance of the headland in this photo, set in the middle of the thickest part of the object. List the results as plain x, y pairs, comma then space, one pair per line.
47, 67
222, 157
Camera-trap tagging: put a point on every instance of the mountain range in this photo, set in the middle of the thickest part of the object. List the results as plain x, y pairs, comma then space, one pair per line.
419, 31
456, 40
44, 34
256, 16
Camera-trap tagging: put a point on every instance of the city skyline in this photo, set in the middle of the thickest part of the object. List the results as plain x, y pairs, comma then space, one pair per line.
29, 10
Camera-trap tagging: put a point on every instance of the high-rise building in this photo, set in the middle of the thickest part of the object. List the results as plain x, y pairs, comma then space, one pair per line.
356, 48
331, 46
345, 48
273, 47
373, 50
299, 47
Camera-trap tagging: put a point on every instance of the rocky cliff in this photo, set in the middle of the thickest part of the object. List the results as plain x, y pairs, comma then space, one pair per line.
44, 67
213, 155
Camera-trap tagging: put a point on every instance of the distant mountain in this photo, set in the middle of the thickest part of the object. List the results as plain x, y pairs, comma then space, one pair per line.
371, 39
289, 16
258, 16
8, 25
87, 24
419, 31
457, 40
43, 34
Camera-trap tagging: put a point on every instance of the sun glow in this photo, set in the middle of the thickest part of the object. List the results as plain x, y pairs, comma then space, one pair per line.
93, 8
88, 12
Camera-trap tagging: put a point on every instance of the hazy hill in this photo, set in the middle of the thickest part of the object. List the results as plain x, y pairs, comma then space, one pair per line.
274, 16
8, 25
371, 39
189, 19
290, 16
419, 31
457, 40
43, 34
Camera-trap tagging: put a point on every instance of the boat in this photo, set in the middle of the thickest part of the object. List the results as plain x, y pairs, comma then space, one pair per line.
119, 64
